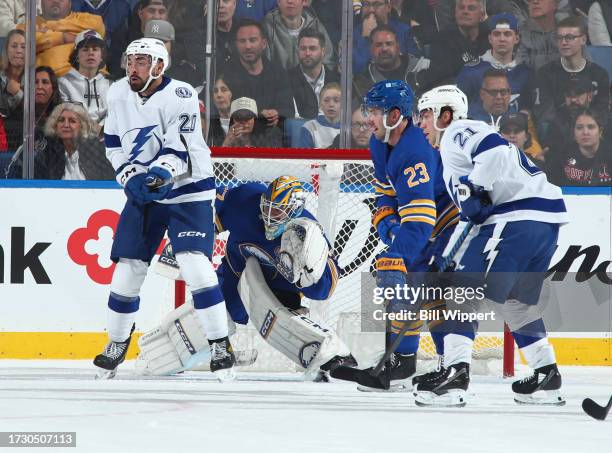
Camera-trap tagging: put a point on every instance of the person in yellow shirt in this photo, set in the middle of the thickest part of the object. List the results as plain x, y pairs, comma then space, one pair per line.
56, 30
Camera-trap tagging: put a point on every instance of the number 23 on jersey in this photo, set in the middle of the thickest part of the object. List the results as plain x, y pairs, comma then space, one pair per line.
416, 174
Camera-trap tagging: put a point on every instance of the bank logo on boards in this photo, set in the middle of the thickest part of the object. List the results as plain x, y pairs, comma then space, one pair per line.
77, 245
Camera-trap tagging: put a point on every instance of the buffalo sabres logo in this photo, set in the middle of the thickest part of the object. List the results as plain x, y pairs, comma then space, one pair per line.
183, 92
142, 143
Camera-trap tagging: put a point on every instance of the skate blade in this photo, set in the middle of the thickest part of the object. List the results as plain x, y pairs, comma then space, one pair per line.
225, 375
322, 376
395, 387
103, 374
453, 398
550, 398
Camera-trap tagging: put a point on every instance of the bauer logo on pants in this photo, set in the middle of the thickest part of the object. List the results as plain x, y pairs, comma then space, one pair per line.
267, 325
308, 352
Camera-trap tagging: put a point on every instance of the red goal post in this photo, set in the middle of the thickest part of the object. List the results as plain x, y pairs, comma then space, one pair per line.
341, 196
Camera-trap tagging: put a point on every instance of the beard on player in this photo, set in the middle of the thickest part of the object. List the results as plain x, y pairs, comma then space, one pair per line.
136, 83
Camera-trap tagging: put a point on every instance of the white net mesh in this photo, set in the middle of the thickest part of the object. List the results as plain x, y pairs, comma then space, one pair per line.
341, 196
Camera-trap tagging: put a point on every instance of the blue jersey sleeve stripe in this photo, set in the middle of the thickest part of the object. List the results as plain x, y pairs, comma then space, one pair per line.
112, 141
183, 155
193, 187
489, 142
531, 204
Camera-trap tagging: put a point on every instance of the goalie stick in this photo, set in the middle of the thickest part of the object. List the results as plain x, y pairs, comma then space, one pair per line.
595, 410
371, 378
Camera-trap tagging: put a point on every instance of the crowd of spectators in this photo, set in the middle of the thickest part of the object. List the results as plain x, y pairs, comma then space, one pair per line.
525, 66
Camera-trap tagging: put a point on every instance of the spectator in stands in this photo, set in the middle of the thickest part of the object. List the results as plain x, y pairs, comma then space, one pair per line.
329, 13
514, 127
503, 38
145, 11
310, 75
388, 63
11, 82
320, 132
226, 32
180, 68
254, 76
578, 95
114, 13
283, 25
495, 95
600, 23
56, 31
73, 151
588, 160
360, 132
375, 13
453, 48
254, 9
85, 83
538, 35
12, 12
247, 130
551, 78
220, 116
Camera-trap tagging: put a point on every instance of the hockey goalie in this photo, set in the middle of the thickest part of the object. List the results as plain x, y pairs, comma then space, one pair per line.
276, 253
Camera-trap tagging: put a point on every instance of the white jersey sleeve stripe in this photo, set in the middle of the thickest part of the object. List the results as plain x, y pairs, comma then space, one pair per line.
490, 142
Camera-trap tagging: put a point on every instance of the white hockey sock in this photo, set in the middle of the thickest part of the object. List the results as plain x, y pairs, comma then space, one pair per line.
214, 321
119, 325
457, 348
123, 302
200, 276
539, 354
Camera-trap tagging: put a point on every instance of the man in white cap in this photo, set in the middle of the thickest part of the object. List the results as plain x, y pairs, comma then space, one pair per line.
85, 82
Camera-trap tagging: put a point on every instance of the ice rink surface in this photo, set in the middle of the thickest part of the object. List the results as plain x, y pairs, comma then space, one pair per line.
278, 413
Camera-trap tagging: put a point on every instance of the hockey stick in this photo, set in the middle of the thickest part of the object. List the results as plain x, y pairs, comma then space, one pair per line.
447, 261
595, 410
158, 182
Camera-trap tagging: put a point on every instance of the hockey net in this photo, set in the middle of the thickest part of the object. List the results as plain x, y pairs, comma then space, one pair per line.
341, 196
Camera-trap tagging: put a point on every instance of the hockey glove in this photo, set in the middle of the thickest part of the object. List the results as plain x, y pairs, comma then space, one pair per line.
157, 184
387, 224
474, 201
135, 189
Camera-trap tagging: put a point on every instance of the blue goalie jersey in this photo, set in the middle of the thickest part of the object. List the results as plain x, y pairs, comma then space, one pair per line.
237, 211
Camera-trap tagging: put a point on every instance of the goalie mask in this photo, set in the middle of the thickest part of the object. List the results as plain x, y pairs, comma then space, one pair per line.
283, 200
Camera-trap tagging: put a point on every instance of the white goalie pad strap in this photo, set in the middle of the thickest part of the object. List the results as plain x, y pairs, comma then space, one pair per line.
178, 344
303, 341
304, 252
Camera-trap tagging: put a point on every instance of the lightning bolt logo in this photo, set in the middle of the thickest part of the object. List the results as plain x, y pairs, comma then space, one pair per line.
140, 140
491, 246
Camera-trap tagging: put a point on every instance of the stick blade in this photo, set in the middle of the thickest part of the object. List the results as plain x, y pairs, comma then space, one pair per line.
595, 410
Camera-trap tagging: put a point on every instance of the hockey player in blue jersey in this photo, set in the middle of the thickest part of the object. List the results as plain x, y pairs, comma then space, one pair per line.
154, 141
276, 253
414, 217
517, 214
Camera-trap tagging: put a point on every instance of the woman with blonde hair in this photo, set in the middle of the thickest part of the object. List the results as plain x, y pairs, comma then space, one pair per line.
73, 150
11, 81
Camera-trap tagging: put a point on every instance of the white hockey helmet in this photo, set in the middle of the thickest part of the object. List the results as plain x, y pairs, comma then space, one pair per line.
153, 48
444, 96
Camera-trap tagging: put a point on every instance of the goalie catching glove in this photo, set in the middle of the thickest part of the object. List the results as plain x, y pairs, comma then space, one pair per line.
303, 253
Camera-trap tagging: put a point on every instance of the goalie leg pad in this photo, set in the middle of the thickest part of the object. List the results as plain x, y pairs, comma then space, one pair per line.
303, 341
179, 343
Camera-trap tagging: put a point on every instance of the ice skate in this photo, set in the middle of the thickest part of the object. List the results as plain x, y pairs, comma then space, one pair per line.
222, 359
541, 388
444, 387
113, 355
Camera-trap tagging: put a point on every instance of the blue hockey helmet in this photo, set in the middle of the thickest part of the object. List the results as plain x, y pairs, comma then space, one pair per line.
389, 94
283, 200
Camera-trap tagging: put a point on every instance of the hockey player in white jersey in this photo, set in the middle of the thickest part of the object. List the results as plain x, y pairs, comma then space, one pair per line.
517, 214
154, 141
